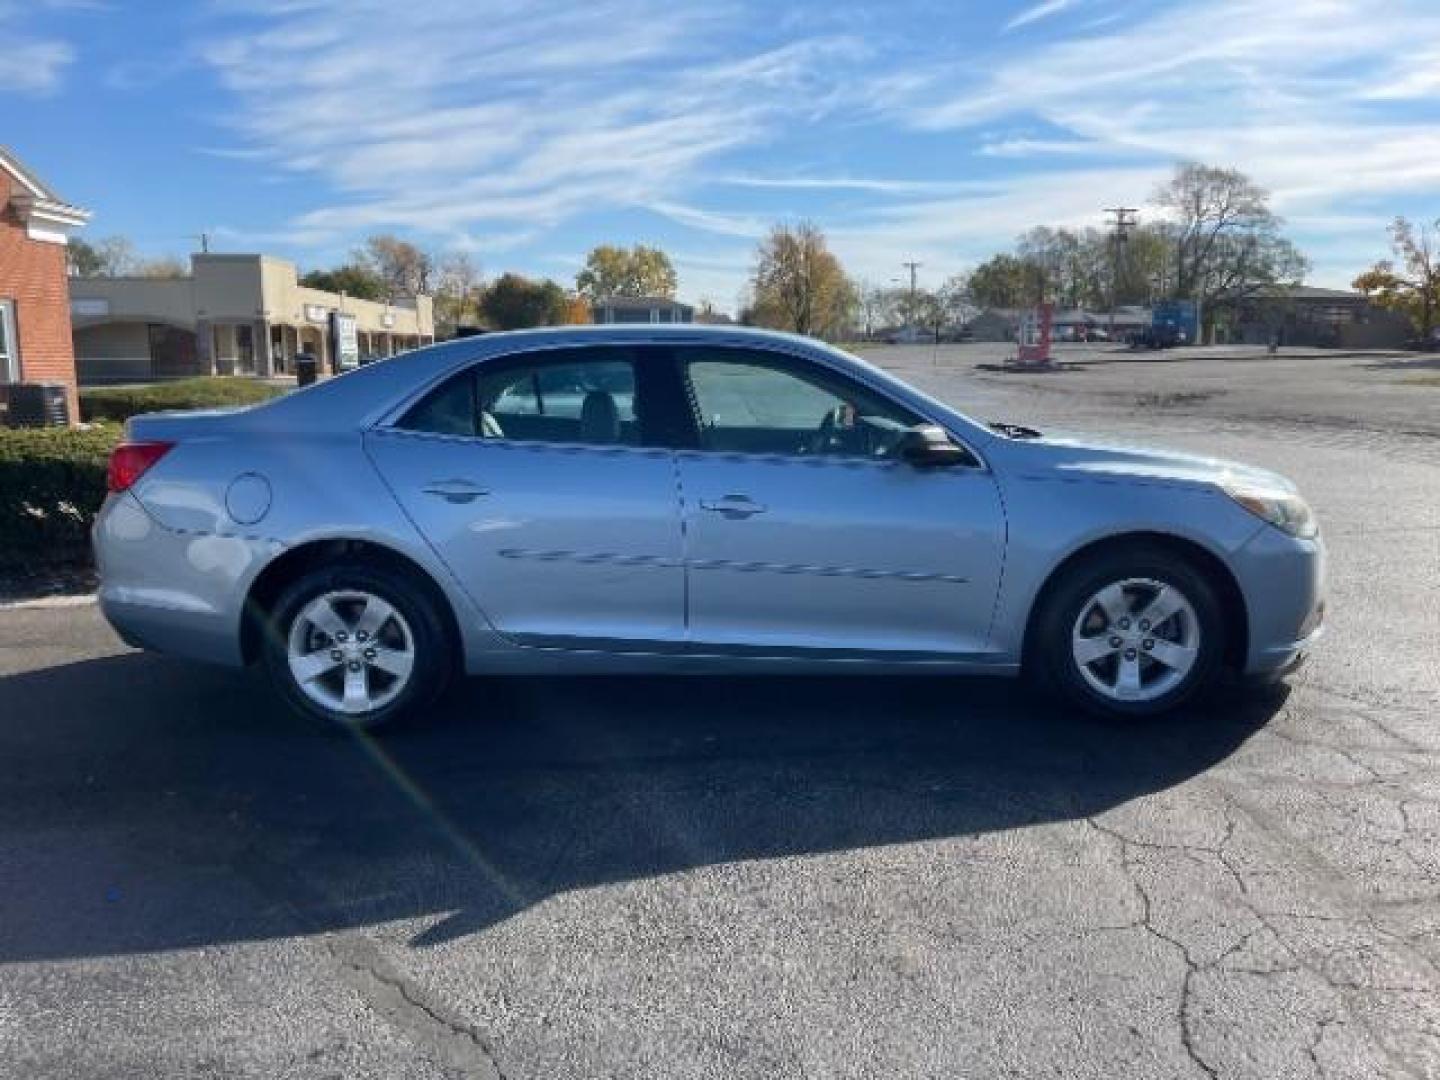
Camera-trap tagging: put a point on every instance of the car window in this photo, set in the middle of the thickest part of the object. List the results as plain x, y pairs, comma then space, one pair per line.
565, 398
584, 401
761, 404
449, 409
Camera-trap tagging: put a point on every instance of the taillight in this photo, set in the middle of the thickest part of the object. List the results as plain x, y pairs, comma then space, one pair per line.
131, 460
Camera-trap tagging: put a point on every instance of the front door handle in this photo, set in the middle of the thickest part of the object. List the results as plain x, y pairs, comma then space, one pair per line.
733, 506
455, 491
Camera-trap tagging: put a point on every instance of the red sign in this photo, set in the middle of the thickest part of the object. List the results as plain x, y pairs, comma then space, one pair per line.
1034, 337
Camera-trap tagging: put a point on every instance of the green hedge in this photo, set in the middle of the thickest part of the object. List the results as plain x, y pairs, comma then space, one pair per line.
123, 402
52, 482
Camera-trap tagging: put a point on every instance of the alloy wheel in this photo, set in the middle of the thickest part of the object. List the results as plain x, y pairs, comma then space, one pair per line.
351, 652
1136, 639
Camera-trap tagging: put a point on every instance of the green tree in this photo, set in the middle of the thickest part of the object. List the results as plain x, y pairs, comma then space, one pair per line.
617, 271
799, 285
1007, 281
513, 302
1414, 287
353, 279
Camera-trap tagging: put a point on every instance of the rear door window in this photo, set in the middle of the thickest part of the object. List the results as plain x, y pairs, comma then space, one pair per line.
577, 396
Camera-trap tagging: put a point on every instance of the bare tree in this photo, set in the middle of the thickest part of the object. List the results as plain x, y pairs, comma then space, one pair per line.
405, 269
164, 266
110, 256
1227, 239
458, 284
876, 307
955, 300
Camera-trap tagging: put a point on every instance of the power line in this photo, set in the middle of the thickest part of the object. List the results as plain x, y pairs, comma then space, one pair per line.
912, 267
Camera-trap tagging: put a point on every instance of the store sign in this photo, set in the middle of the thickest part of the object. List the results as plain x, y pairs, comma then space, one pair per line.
317, 313
344, 341
89, 309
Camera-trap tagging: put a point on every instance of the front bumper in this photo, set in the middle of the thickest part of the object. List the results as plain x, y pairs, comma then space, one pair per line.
1282, 579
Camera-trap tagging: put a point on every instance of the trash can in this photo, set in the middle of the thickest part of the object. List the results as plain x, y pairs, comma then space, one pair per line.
36, 405
306, 368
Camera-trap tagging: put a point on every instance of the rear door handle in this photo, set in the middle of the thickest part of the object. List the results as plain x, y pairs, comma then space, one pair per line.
733, 506
455, 491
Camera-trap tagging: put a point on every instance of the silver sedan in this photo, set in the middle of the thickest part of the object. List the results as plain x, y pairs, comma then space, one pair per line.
684, 499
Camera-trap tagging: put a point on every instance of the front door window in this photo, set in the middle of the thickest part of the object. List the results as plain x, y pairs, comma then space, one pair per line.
752, 404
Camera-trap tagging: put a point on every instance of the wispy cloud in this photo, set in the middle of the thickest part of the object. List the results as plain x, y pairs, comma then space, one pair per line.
1042, 10
500, 130
870, 184
523, 118
1020, 148
31, 62
1297, 103
33, 66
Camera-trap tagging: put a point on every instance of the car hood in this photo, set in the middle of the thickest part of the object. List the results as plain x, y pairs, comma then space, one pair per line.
1062, 456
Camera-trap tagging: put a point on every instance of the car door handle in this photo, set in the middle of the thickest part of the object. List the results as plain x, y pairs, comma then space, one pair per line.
455, 491
733, 506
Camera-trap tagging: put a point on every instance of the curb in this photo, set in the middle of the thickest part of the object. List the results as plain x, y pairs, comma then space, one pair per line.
47, 603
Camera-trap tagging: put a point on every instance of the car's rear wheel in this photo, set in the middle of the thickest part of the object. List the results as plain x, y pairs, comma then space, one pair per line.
357, 646
1131, 632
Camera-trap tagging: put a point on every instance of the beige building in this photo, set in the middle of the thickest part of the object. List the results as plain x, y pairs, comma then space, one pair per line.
233, 315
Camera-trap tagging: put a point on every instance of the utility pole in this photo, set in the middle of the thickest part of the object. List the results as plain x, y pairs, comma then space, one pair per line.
912, 267
1124, 220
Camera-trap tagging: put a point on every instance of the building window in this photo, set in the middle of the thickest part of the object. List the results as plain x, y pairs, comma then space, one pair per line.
9, 344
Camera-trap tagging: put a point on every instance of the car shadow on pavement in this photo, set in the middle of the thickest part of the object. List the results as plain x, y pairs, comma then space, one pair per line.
149, 805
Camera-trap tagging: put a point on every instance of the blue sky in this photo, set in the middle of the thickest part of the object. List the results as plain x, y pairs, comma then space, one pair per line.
526, 131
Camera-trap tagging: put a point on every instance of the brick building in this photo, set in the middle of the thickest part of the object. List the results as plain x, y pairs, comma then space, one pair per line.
35, 342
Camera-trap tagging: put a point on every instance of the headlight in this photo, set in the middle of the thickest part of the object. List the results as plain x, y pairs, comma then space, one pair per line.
1283, 509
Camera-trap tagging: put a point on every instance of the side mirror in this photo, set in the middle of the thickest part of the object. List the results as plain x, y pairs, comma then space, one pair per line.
928, 445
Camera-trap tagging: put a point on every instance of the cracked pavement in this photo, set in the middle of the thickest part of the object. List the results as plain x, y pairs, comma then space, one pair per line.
759, 877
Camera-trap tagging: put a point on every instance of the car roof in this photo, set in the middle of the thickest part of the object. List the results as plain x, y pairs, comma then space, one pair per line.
363, 396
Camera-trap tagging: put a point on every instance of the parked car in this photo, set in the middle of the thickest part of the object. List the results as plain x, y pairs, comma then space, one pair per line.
677, 499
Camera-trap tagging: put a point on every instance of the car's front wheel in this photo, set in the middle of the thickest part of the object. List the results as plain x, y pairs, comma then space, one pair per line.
357, 646
1132, 632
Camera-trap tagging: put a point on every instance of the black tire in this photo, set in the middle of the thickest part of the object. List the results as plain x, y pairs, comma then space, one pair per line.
1050, 654
433, 652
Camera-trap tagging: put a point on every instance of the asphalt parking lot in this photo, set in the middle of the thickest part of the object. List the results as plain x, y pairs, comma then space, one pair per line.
762, 877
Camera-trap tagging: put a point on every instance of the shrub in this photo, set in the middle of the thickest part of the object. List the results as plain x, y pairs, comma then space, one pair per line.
123, 402
52, 482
